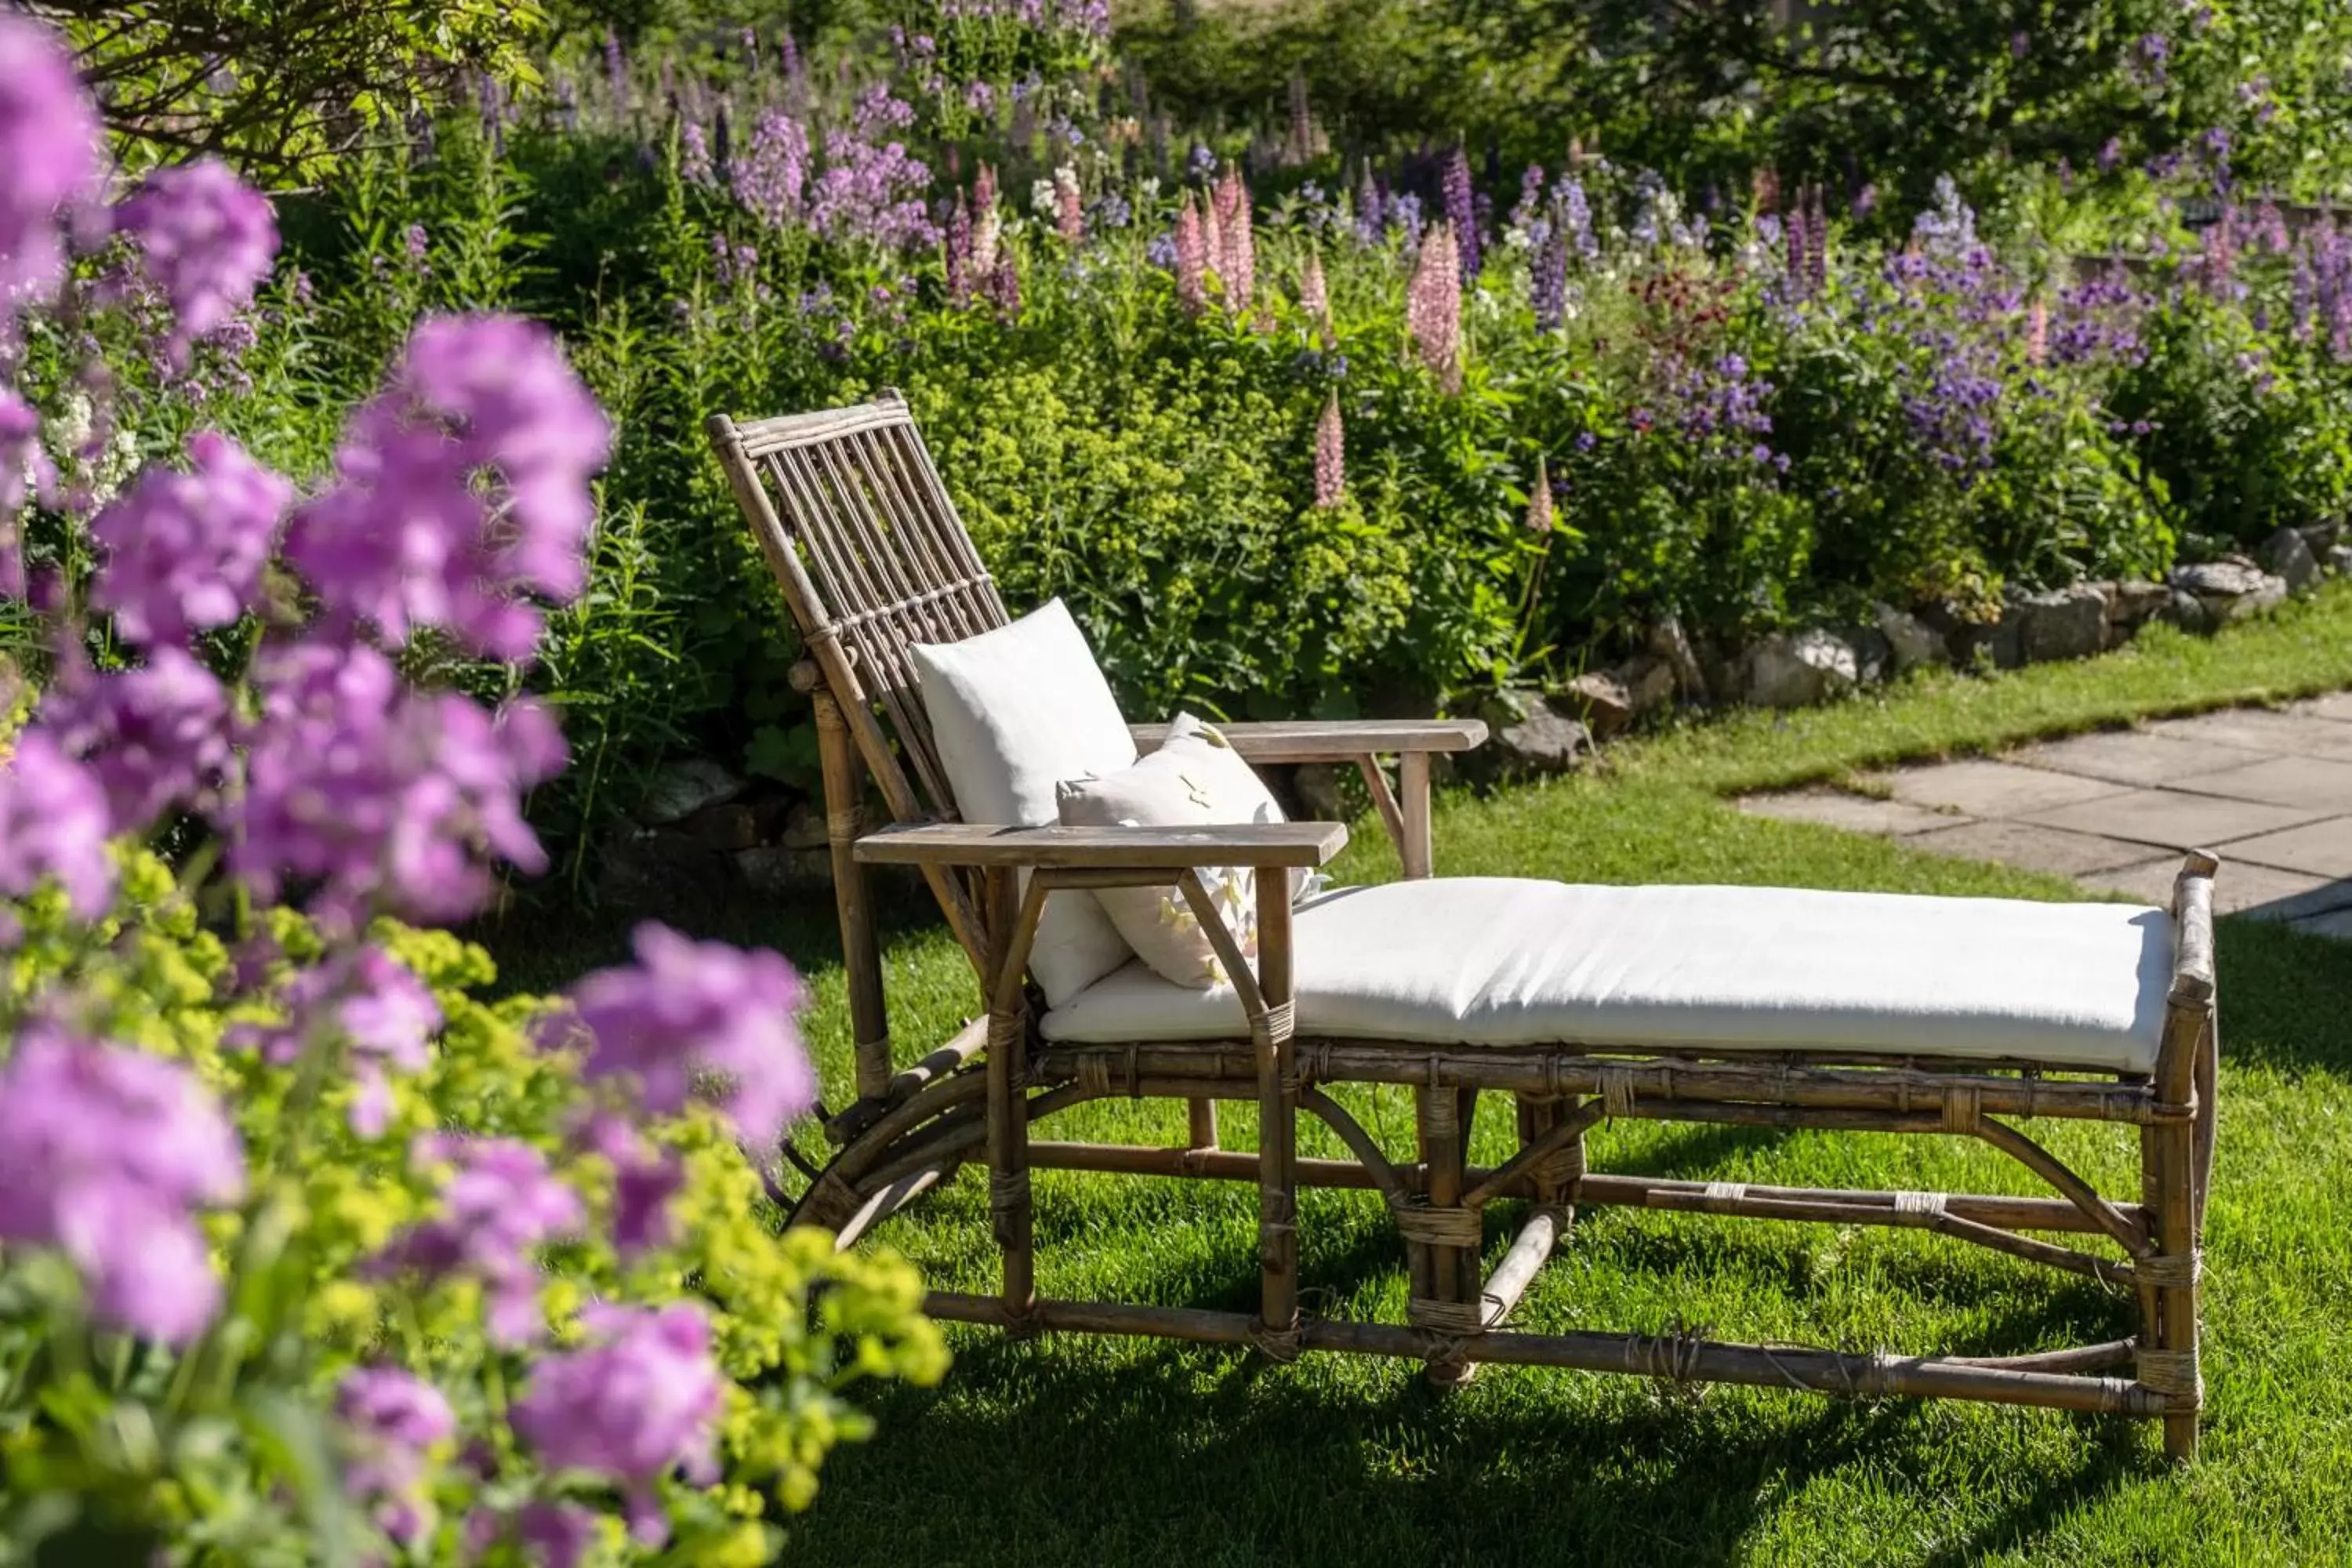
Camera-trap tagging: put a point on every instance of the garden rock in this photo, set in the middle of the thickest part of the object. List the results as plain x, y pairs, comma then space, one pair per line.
2287, 554
679, 789
2229, 590
1648, 680
2340, 560
2184, 610
1912, 641
2132, 606
1784, 671
2066, 623
776, 872
803, 827
1529, 735
665, 872
730, 825
1600, 700
1874, 654
1669, 642
2322, 538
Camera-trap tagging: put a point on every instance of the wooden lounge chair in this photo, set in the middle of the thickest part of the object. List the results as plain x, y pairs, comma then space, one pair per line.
1944, 1017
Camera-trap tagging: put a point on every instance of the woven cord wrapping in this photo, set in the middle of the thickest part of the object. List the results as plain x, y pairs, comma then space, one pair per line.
2175, 1376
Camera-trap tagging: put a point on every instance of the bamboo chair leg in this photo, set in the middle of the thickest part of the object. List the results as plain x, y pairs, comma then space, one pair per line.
1278, 1194
1204, 1123
861, 958
1450, 1305
1008, 1111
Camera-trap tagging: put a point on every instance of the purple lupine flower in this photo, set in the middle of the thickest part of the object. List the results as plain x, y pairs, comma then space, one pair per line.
407, 536
154, 737
2111, 154
1462, 213
1817, 247
106, 1153
205, 241
639, 1405
1576, 216
769, 180
186, 552
1433, 307
1526, 213
693, 155
957, 253
1798, 237
50, 146
686, 1010
616, 69
1371, 209
391, 1421
1191, 259
1548, 278
53, 824
1331, 457
499, 1204
1404, 213
384, 798
1004, 289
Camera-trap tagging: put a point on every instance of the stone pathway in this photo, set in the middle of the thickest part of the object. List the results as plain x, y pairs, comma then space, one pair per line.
2270, 791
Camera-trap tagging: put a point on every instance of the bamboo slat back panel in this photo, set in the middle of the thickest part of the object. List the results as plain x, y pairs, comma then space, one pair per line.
871, 555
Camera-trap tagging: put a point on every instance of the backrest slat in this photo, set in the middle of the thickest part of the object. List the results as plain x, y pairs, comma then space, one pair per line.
871, 558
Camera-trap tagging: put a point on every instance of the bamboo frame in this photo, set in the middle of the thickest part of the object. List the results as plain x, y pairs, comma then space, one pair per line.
871, 557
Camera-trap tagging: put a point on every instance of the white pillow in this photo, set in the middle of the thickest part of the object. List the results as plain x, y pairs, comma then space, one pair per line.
1015, 711
1195, 780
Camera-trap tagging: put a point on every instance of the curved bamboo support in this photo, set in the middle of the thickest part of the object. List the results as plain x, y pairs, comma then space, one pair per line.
1382, 1170
2076, 1190
1570, 1127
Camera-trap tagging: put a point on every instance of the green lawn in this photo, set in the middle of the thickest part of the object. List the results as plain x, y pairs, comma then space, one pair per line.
1099, 1451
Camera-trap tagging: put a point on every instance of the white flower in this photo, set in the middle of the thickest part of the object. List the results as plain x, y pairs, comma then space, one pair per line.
1041, 196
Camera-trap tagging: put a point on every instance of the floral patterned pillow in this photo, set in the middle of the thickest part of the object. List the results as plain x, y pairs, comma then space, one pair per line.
1195, 780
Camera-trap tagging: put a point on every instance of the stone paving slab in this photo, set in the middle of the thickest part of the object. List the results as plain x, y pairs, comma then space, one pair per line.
2137, 757
2033, 848
2263, 730
2175, 820
2335, 705
1981, 787
2318, 849
1842, 808
2312, 782
2242, 889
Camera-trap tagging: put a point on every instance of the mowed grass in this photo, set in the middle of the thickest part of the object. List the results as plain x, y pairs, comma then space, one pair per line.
1084, 1451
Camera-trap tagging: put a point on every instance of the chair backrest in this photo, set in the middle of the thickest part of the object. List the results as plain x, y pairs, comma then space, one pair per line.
871, 557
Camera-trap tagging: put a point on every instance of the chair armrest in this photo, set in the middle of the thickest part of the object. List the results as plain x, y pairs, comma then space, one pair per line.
1252, 843
1333, 740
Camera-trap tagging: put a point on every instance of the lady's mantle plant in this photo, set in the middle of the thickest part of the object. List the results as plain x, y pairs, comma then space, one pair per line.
306, 1254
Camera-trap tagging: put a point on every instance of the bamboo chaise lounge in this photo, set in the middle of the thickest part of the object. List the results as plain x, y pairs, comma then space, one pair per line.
1754, 1007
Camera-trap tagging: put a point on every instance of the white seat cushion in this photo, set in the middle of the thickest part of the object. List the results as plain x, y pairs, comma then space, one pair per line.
1494, 961
1015, 711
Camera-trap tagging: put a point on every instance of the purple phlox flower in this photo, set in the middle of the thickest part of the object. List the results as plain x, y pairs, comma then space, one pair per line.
499, 1204
557, 1534
771, 178
184, 552
53, 823
391, 1422
2111, 154
693, 155
2020, 44
872, 192
686, 1011
106, 1153
1330, 456
1528, 209
1433, 309
1462, 213
380, 1011
154, 737
205, 241
406, 535
1202, 162
417, 242
2147, 63
51, 148
384, 797
645, 1179
642, 1403
25, 473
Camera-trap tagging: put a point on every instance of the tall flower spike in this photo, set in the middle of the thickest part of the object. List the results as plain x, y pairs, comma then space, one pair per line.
1800, 268
957, 249
1239, 267
1539, 518
1433, 307
1069, 211
1191, 259
1817, 254
2037, 333
1212, 237
1462, 213
1314, 298
49, 145
1331, 457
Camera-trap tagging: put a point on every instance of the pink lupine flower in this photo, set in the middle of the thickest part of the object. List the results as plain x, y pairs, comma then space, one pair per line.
1238, 265
2037, 333
687, 1010
1433, 307
53, 823
641, 1403
50, 149
1192, 260
1314, 298
987, 225
205, 240
1212, 237
1331, 457
1069, 213
1539, 502
107, 1154
956, 253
